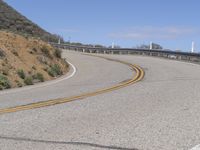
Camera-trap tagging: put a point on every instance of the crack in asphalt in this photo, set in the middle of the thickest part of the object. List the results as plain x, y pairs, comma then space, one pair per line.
65, 143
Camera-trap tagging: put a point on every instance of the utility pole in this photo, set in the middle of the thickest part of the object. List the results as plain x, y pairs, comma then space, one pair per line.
151, 45
59, 41
69, 42
113, 45
193, 45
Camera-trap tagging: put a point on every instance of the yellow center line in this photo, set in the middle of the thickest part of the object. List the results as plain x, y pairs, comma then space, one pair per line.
135, 78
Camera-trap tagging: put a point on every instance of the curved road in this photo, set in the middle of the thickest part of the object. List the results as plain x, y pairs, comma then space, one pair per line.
159, 113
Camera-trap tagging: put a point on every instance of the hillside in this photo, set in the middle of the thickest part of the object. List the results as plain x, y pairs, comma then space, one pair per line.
13, 21
25, 61
25, 57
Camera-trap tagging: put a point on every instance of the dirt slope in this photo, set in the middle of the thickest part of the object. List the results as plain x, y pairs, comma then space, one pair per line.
25, 61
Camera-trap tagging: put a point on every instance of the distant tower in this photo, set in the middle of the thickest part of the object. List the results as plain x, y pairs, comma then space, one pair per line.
113, 45
59, 41
192, 50
151, 45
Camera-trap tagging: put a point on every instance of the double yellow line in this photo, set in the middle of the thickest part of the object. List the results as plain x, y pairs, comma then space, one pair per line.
135, 78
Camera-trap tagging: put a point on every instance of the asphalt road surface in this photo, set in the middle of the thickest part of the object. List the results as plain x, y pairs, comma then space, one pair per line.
161, 112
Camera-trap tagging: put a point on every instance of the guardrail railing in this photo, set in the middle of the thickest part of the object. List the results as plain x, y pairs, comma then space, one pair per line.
186, 56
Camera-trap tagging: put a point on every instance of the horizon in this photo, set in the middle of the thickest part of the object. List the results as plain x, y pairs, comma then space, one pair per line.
128, 23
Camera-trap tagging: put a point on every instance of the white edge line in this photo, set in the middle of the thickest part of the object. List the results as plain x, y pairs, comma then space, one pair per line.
197, 147
73, 73
47, 83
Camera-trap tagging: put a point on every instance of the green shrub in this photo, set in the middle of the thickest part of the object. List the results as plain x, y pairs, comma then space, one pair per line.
19, 84
28, 81
51, 72
34, 76
4, 82
46, 51
21, 74
58, 53
55, 70
5, 71
40, 77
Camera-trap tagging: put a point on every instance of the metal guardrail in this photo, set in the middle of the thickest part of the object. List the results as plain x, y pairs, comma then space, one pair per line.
186, 56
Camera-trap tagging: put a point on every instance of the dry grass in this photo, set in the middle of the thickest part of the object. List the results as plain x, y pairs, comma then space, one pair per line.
31, 55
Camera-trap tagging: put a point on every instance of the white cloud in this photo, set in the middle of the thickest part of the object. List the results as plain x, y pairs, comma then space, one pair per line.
154, 33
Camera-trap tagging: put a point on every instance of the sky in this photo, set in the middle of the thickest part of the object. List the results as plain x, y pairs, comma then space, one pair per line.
173, 24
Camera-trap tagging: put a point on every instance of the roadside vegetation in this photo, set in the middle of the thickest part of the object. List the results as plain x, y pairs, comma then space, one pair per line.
27, 61
55, 70
4, 82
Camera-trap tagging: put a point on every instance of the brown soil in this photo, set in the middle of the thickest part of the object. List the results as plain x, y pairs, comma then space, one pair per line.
31, 55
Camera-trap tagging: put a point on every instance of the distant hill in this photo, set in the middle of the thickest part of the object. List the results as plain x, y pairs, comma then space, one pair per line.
12, 20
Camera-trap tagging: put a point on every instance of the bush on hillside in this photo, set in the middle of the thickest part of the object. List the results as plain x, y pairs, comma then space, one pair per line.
55, 70
58, 53
45, 51
4, 82
39, 77
2, 53
28, 81
21, 73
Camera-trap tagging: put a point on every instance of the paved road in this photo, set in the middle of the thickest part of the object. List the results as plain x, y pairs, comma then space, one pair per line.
159, 113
